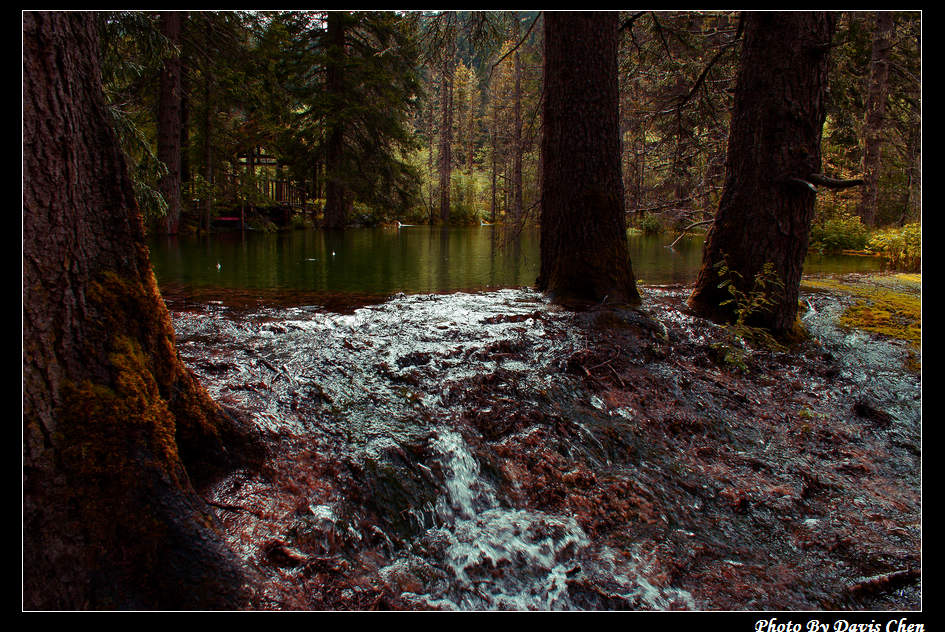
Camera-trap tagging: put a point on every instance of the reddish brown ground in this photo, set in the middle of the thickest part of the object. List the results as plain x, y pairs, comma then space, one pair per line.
749, 479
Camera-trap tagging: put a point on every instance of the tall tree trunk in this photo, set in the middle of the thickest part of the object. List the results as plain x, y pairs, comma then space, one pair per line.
910, 201
492, 206
111, 416
517, 148
337, 197
431, 151
875, 115
765, 214
583, 229
446, 133
186, 183
471, 130
170, 122
207, 149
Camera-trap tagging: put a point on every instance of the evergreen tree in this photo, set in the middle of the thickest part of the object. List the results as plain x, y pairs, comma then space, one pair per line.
170, 120
116, 430
765, 214
360, 122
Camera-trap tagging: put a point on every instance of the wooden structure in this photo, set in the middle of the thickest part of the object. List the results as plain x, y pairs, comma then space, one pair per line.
276, 197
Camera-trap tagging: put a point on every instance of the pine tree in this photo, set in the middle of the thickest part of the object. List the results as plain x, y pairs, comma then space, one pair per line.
767, 205
116, 430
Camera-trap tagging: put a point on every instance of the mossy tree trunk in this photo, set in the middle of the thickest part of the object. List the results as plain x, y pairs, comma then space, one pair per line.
116, 430
584, 253
766, 208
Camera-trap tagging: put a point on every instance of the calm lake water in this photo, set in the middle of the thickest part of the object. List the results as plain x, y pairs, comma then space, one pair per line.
415, 259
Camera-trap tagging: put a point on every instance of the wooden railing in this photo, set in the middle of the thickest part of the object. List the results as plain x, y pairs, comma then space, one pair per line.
231, 200
282, 192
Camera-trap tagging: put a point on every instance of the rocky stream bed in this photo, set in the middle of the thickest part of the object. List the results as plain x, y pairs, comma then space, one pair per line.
491, 451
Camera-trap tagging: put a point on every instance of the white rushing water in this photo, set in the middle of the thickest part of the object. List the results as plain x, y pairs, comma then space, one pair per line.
508, 558
371, 383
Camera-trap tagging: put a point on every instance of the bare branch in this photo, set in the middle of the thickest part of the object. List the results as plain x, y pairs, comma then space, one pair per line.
705, 71
687, 228
833, 183
514, 48
628, 23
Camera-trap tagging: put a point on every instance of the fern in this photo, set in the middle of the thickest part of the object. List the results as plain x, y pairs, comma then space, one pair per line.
766, 291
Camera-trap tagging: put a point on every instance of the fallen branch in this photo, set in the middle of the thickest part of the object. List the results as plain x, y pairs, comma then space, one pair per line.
232, 507
692, 225
617, 375
884, 582
269, 365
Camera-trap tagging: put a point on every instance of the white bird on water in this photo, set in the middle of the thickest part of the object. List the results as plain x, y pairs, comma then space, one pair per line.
399, 225
218, 265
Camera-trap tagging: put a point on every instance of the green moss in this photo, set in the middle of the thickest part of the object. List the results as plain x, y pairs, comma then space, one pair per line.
729, 355
107, 429
134, 308
808, 414
115, 440
889, 305
128, 492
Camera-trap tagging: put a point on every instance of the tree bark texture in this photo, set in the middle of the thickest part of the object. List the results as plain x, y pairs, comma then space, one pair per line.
764, 215
170, 122
584, 253
875, 115
208, 176
111, 416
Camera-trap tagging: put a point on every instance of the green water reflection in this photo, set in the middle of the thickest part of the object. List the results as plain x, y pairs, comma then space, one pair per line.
413, 259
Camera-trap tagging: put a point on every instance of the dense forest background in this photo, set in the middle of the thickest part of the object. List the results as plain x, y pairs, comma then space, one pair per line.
659, 122
364, 118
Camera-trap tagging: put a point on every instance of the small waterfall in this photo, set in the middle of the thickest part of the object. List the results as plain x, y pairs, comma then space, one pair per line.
500, 558
463, 484
505, 558
368, 389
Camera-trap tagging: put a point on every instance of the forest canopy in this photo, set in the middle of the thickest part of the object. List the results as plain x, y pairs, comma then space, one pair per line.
434, 117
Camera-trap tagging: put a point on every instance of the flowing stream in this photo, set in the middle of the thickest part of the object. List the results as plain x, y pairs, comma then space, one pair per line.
485, 450
379, 384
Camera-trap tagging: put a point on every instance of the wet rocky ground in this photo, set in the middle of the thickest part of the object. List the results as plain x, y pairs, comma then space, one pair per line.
489, 450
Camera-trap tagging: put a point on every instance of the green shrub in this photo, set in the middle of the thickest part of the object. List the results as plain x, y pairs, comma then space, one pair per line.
651, 225
844, 231
364, 215
900, 247
462, 214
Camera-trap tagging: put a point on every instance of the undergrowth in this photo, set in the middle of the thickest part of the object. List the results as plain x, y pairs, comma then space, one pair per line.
766, 289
